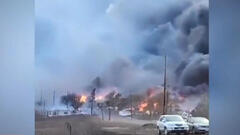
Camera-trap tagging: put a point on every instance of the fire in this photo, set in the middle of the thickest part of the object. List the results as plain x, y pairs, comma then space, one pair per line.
181, 98
99, 98
83, 99
142, 106
148, 112
150, 92
155, 105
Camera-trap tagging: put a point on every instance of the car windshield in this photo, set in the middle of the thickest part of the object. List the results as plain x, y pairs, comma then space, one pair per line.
200, 120
173, 118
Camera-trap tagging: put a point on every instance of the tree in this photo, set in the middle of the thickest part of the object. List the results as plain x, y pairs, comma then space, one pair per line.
72, 100
113, 99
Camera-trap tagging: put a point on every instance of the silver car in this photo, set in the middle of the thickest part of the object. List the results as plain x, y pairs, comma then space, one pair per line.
198, 125
168, 124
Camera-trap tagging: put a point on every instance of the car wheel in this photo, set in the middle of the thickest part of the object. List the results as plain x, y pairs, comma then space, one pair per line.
166, 132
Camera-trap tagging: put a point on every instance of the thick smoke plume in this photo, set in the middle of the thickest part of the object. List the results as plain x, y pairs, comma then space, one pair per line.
123, 43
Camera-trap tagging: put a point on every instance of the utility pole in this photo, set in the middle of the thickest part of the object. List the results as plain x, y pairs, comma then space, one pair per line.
167, 101
131, 104
41, 98
164, 90
41, 102
67, 102
102, 111
109, 113
54, 94
92, 99
100, 106
44, 109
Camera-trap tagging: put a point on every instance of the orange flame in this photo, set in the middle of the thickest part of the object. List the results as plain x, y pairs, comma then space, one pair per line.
142, 106
83, 99
155, 105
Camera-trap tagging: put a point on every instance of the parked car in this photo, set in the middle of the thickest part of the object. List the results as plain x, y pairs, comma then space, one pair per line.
198, 125
168, 124
125, 112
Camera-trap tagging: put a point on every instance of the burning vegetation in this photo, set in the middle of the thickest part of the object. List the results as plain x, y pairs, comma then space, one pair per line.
74, 100
150, 102
83, 99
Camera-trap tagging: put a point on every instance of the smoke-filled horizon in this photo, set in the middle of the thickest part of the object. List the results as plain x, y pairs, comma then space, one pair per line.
123, 43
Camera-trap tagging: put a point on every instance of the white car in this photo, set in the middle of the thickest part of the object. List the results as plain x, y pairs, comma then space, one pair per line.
168, 124
198, 125
125, 112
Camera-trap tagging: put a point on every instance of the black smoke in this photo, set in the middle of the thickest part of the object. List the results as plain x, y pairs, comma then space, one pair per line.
124, 74
179, 31
196, 90
122, 44
196, 72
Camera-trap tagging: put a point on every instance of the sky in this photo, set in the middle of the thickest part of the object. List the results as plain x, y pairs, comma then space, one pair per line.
123, 43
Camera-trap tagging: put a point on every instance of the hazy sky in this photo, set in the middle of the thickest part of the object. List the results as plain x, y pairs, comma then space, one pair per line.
123, 42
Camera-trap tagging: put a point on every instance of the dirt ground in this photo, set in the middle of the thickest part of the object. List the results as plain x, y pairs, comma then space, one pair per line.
86, 125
